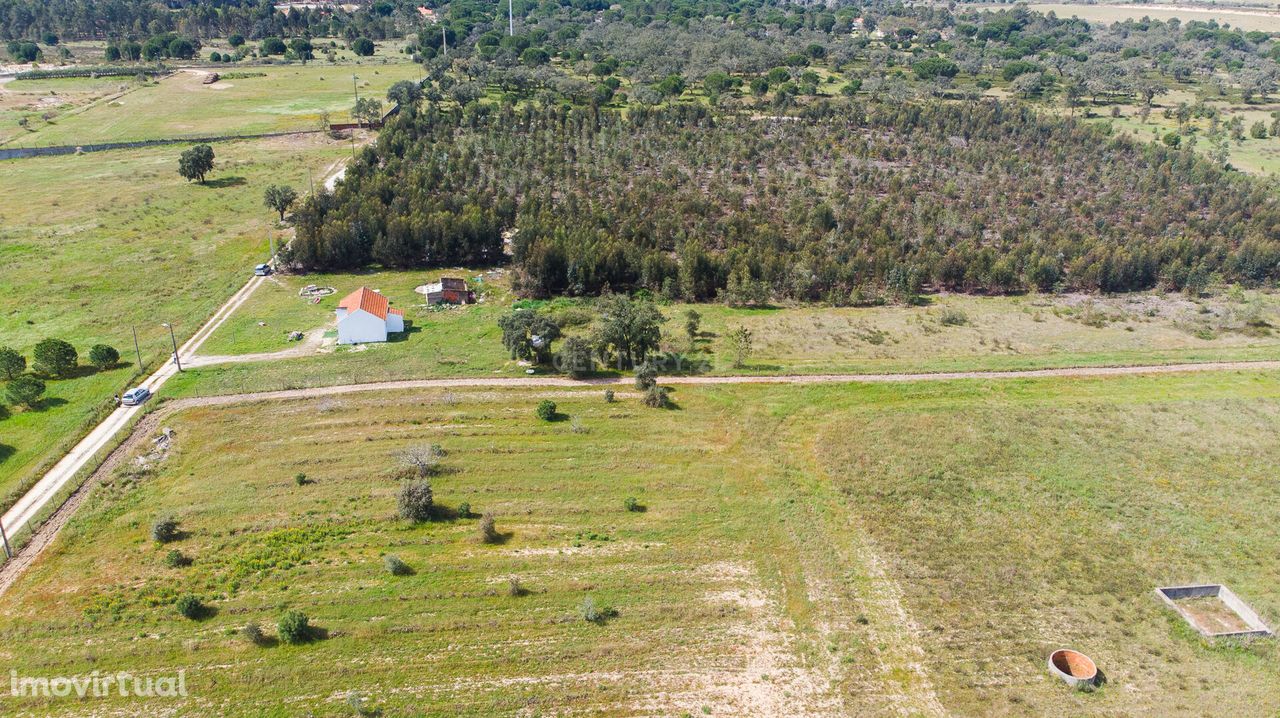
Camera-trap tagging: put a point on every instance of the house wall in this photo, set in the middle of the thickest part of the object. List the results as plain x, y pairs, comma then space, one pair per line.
395, 323
359, 327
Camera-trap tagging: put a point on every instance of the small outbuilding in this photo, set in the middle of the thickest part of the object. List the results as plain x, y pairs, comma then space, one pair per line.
366, 316
449, 290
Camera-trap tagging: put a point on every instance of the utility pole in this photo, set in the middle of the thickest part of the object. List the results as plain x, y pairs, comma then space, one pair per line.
8, 552
444, 39
511, 18
136, 350
176, 360
272, 239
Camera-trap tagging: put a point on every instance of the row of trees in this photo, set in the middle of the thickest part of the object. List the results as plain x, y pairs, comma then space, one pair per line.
53, 359
627, 334
845, 201
254, 19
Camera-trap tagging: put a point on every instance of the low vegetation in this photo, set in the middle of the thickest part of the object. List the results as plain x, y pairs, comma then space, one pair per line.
789, 526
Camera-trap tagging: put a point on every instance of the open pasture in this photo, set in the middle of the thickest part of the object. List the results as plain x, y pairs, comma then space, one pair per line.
248, 100
833, 550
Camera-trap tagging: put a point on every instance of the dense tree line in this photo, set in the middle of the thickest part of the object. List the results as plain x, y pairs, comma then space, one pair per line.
844, 201
139, 19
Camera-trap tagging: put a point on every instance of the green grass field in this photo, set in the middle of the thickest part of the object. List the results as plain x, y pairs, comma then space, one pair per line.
250, 100
832, 550
1034, 331
106, 242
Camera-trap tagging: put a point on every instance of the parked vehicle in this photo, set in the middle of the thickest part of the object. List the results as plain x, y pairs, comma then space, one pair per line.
135, 396
262, 270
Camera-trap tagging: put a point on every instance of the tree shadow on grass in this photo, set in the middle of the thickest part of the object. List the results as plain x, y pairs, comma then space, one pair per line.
5, 452
205, 613
222, 182
49, 402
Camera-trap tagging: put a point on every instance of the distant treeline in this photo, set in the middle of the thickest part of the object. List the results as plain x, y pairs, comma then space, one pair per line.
38, 20
843, 201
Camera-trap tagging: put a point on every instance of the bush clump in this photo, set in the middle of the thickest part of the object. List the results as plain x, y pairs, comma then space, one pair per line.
294, 627
416, 501
252, 633
953, 318
593, 613
488, 529
165, 529
608, 396
464, 510
395, 566
176, 559
546, 410
515, 589
632, 504
656, 397
189, 606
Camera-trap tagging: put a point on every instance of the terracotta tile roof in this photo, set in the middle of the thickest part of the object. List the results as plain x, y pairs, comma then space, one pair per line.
396, 311
368, 300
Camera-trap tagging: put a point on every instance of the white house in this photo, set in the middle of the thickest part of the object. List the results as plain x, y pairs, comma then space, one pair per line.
366, 316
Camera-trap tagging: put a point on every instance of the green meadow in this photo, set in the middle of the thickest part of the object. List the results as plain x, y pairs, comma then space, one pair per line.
102, 244
247, 100
912, 549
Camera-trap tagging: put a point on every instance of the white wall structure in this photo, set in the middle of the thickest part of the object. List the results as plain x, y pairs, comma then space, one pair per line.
365, 316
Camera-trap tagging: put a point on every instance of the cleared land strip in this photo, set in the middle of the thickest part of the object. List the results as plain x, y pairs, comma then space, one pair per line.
45, 492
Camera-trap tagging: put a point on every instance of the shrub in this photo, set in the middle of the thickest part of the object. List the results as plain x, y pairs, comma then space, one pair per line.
489, 529
953, 318
631, 504
608, 396
395, 566
55, 357
515, 589
657, 398
24, 390
300, 479
252, 633
165, 529
546, 410
176, 559
646, 376
12, 363
423, 460
189, 606
294, 627
103, 356
464, 510
363, 46
415, 501
592, 613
